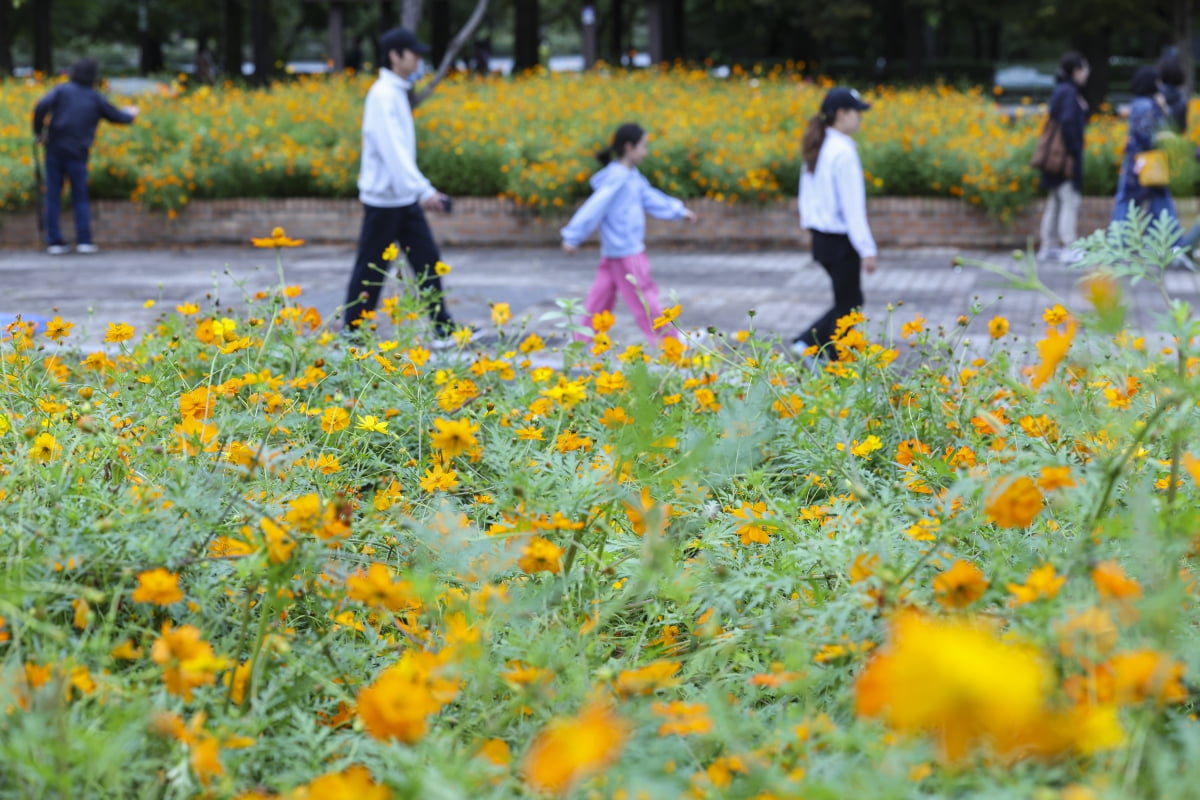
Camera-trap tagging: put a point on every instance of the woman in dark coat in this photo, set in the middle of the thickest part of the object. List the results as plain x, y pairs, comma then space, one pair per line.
1070, 111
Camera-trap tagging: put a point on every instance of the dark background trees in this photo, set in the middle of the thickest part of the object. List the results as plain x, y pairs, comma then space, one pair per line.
869, 40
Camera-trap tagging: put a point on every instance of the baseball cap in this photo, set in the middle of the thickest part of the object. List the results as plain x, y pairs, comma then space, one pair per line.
401, 39
843, 97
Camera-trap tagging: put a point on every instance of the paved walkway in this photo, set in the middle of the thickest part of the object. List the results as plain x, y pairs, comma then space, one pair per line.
783, 290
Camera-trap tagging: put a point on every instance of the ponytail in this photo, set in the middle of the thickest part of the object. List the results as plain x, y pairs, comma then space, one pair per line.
628, 135
814, 137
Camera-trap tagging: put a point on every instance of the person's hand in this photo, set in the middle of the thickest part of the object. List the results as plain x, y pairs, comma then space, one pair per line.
869, 265
434, 202
689, 215
131, 111
570, 249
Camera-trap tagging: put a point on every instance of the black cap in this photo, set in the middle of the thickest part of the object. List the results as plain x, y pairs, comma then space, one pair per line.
842, 97
401, 39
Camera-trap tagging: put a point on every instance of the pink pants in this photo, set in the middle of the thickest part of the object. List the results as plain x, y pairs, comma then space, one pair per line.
641, 298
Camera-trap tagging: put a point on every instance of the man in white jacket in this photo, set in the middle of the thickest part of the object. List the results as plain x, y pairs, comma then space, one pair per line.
392, 189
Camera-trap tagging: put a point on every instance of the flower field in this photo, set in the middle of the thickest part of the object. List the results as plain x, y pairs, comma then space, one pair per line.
532, 139
247, 557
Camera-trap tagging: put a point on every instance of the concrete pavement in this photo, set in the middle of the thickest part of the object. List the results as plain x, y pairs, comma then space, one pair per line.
784, 290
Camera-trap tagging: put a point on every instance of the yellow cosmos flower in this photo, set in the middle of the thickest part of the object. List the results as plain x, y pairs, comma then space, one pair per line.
118, 332
998, 327
370, 423
334, 419
501, 314
454, 437
57, 329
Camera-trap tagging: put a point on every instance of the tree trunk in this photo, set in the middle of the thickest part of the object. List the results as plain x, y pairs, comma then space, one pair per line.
527, 31
452, 50
410, 14
387, 21
337, 34
440, 17
260, 37
151, 59
6, 23
654, 21
1096, 48
1182, 25
914, 40
232, 37
616, 33
43, 49
673, 29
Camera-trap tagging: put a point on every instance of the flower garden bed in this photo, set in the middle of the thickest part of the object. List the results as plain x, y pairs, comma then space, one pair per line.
247, 558
531, 140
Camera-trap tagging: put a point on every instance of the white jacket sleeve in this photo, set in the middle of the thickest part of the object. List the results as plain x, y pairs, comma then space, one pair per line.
390, 133
852, 192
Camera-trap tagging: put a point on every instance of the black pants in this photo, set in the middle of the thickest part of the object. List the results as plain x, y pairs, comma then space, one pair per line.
408, 227
834, 252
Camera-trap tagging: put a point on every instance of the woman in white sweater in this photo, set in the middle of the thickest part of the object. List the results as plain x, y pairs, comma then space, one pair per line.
833, 207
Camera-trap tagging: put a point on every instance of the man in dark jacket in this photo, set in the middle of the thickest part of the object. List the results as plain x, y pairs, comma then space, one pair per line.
74, 109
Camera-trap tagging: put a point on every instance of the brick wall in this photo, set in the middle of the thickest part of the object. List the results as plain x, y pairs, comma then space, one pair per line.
896, 222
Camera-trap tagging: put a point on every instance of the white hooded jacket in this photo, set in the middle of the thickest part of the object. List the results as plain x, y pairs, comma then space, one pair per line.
388, 176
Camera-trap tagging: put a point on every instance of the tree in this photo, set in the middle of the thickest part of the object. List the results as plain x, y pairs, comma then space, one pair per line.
452, 50
232, 29
43, 52
527, 34
261, 41
6, 27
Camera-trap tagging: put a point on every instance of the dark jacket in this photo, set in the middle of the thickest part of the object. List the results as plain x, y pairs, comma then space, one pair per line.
75, 111
1068, 109
1177, 107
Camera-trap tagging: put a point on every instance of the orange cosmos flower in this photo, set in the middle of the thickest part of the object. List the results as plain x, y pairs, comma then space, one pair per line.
158, 586
960, 585
1014, 504
277, 240
571, 749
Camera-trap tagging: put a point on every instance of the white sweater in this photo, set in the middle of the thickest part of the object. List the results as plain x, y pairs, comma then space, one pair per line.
388, 176
833, 197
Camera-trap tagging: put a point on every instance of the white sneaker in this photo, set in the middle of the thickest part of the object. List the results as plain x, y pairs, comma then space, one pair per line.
86, 249
1070, 256
58, 249
1049, 254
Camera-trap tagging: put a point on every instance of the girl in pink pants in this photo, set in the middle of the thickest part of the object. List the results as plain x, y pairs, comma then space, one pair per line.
619, 203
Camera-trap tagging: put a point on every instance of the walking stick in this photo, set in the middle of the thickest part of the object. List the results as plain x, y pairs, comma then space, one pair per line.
39, 191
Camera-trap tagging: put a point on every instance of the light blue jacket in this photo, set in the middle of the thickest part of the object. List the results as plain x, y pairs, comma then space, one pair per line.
620, 200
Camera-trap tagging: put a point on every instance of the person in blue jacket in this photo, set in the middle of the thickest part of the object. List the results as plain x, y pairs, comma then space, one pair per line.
618, 206
1064, 192
74, 109
1147, 118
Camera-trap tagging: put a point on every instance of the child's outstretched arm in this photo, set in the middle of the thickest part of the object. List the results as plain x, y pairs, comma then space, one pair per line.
589, 216
662, 205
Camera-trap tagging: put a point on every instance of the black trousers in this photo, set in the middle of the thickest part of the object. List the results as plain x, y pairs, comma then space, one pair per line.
834, 252
408, 227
